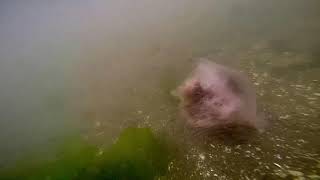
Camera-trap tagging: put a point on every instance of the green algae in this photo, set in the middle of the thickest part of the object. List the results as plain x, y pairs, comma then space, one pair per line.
137, 154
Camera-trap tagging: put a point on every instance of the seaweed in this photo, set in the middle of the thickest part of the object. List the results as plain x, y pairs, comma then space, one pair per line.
137, 154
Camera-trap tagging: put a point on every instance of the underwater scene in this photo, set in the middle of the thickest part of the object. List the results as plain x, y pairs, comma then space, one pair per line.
120, 89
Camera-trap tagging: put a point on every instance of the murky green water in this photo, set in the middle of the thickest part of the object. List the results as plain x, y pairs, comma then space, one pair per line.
95, 69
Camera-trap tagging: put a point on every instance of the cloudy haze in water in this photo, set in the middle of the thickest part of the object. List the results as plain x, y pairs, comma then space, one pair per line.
56, 54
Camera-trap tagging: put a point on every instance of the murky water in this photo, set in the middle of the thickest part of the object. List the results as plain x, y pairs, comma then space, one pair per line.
96, 68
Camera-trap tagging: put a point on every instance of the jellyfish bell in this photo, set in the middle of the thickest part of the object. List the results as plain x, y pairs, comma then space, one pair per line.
216, 99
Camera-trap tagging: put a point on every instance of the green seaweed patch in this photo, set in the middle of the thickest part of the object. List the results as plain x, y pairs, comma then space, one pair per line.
137, 154
72, 156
